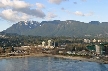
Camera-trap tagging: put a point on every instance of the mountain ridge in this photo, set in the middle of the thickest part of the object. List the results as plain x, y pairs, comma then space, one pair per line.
59, 28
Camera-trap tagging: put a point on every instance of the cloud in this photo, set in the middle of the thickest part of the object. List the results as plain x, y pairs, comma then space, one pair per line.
13, 10
50, 16
13, 4
62, 8
13, 16
40, 6
33, 12
1, 5
57, 1
74, 2
78, 13
20, 4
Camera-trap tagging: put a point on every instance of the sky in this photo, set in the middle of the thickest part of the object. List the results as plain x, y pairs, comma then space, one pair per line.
13, 11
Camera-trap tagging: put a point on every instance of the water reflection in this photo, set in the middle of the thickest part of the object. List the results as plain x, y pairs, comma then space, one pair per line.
102, 67
49, 64
14, 64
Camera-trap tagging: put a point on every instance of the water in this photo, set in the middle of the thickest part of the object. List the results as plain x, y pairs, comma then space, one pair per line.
49, 64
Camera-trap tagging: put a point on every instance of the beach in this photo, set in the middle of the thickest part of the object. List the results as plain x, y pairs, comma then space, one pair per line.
59, 56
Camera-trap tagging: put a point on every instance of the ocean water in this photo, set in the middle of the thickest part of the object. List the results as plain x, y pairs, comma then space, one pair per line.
49, 64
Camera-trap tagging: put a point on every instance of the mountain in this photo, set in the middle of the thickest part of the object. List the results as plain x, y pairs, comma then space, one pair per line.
22, 27
59, 28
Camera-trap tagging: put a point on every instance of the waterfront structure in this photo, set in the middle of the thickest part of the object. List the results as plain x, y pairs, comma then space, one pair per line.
25, 46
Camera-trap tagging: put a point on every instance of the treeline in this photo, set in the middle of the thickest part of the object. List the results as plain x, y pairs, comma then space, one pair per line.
14, 40
18, 40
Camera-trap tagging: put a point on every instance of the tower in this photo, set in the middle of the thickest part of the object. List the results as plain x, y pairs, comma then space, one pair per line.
49, 43
43, 44
98, 49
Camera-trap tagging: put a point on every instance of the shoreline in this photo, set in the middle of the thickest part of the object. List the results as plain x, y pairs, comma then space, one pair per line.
59, 56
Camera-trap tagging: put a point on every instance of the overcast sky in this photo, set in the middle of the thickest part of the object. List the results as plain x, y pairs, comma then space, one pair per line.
12, 11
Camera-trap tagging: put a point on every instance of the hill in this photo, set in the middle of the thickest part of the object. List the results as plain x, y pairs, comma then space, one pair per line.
59, 28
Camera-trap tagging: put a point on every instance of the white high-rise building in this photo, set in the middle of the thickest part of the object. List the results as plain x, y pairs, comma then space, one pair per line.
99, 40
43, 44
86, 41
49, 43
98, 49
94, 40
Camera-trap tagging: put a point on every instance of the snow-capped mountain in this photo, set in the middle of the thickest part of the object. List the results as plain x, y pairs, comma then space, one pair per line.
59, 28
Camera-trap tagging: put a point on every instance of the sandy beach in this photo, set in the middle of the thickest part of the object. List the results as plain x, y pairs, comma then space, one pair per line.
59, 56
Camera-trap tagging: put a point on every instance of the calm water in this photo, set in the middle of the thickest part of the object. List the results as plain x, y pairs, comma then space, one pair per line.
49, 64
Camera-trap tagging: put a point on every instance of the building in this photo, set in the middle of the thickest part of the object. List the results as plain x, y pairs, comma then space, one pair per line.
98, 40
49, 43
98, 49
86, 41
43, 44
49, 46
94, 40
